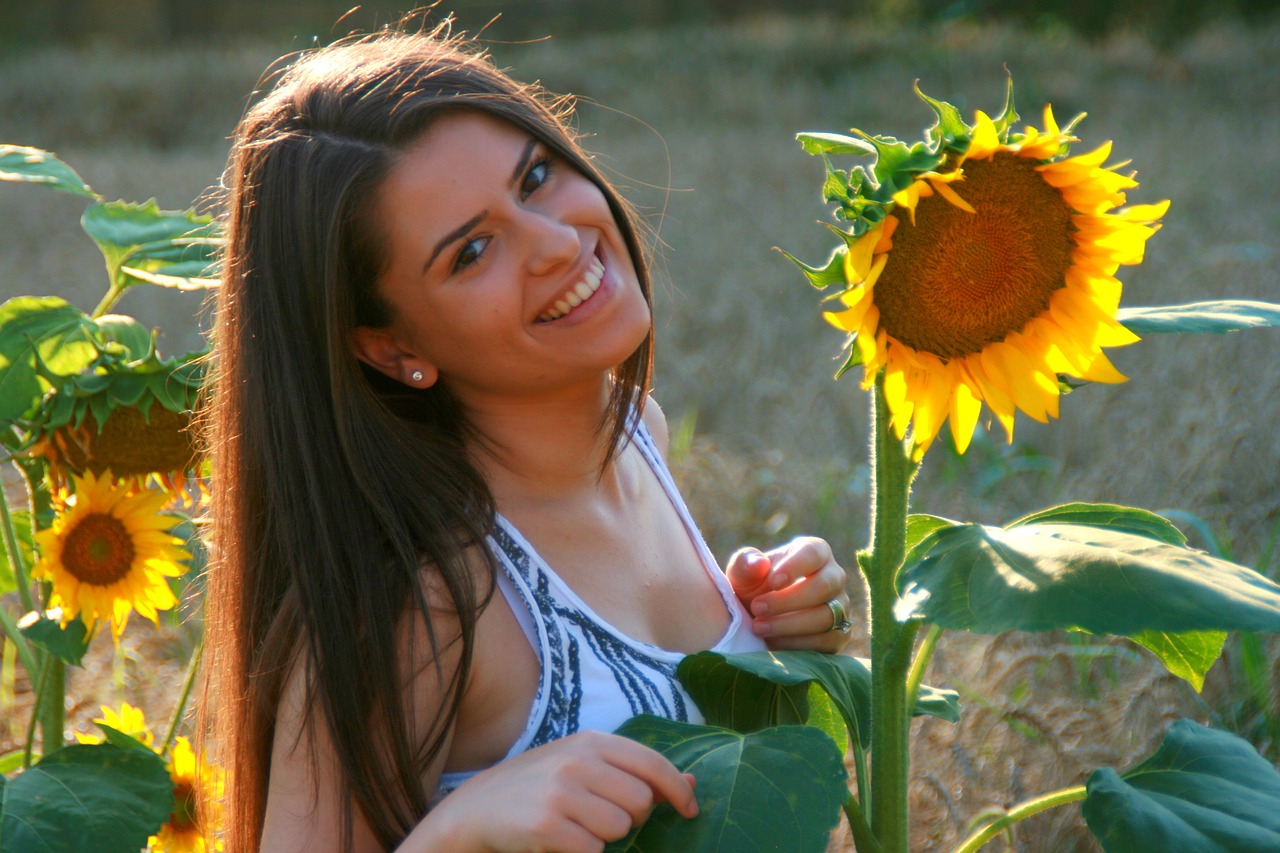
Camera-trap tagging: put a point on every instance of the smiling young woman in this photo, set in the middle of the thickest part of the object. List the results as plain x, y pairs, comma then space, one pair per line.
448, 558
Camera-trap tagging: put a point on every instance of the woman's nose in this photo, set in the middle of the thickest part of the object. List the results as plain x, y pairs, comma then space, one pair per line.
551, 243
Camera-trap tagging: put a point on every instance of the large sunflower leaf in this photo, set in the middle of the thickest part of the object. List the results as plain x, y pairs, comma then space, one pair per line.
744, 804
1188, 656
39, 333
1140, 522
753, 690
37, 166
1047, 576
1219, 316
96, 797
1203, 791
920, 534
144, 244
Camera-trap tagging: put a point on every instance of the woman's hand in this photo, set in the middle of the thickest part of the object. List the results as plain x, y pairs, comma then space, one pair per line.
786, 591
572, 796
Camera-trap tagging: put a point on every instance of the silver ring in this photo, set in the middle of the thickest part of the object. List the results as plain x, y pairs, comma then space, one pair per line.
839, 619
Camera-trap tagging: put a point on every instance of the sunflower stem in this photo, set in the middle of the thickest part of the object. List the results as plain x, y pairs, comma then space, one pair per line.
891, 642
14, 634
111, 297
175, 719
19, 566
1020, 812
28, 744
53, 705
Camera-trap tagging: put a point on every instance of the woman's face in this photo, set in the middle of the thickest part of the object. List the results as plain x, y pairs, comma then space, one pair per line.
507, 273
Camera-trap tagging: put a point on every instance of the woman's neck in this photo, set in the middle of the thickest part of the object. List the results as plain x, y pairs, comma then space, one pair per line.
546, 447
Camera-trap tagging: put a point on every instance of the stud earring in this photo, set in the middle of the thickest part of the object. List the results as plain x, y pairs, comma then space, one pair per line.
416, 376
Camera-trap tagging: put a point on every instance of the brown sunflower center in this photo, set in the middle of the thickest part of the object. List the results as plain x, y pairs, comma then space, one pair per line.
184, 817
957, 281
98, 550
131, 443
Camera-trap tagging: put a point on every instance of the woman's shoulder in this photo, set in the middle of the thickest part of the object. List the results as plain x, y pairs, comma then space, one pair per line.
656, 422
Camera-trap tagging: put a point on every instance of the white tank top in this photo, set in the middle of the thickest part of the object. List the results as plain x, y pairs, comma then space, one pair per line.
594, 677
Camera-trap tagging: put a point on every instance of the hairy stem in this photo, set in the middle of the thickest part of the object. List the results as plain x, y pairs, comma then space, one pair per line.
890, 640
193, 666
1020, 812
53, 705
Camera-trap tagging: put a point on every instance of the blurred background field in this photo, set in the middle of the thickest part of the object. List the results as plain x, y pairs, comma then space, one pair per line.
693, 108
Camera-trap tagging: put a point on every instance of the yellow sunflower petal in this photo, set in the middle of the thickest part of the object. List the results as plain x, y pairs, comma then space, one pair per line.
985, 138
965, 408
953, 197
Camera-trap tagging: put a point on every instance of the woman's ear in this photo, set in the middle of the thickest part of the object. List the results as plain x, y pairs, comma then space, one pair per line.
378, 349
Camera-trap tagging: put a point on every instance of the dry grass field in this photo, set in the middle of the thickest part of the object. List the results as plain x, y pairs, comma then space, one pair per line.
698, 126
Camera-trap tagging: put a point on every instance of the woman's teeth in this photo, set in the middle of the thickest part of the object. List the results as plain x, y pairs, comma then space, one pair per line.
576, 295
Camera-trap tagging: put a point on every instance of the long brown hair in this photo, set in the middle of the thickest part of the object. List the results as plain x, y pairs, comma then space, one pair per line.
334, 486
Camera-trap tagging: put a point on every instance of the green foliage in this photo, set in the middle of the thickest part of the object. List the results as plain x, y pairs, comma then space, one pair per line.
68, 642
1203, 791
1047, 576
100, 797
1139, 522
1188, 655
22, 528
747, 692
744, 803
143, 244
21, 163
1217, 317
42, 339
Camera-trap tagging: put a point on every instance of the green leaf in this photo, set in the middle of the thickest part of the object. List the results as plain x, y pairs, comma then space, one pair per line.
137, 339
775, 790
144, 244
1203, 791
34, 165
1009, 114
753, 690
833, 143
950, 125
1043, 577
10, 762
1140, 522
894, 156
825, 276
115, 737
1218, 317
920, 530
99, 797
21, 527
68, 643
1188, 656
39, 332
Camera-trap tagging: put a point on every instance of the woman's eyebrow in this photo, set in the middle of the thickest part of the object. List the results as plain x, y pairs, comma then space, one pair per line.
461, 231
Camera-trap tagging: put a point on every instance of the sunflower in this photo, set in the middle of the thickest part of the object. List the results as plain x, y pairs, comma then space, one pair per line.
128, 720
137, 447
981, 270
197, 790
108, 553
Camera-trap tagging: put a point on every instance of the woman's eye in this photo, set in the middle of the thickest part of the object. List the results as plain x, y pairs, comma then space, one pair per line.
535, 177
469, 253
